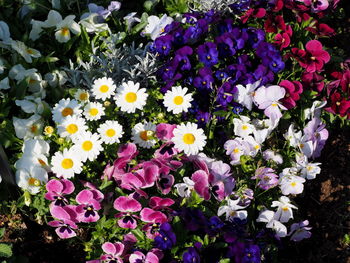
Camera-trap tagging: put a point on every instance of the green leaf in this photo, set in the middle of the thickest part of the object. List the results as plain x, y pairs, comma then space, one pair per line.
2, 232
5, 250
225, 260
138, 234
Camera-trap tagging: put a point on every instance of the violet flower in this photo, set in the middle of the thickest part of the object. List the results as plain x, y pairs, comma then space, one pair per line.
166, 238
127, 206
67, 221
267, 178
300, 231
208, 54
88, 207
56, 189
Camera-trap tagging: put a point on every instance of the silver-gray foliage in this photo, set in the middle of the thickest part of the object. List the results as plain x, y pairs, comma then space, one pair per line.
206, 5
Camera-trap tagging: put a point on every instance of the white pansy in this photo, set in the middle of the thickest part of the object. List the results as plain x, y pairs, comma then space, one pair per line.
284, 209
184, 189
37, 28
291, 183
245, 94
31, 104
271, 155
315, 110
5, 84
2, 66
267, 216
28, 128
242, 126
130, 19
65, 28
233, 210
26, 52
35, 82
4, 32
307, 170
31, 179
91, 24
56, 78
156, 25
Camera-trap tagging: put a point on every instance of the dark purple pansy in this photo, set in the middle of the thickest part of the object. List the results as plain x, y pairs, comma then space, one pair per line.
208, 54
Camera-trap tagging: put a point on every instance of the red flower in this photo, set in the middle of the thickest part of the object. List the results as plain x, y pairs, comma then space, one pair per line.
273, 23
322, 30
313, 81
278, 6
282, 40
293, 90
258, 13
313, 58
339, 105
345, 82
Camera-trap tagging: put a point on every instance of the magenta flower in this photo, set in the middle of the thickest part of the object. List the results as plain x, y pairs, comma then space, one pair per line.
267, 178
316, 5
293, 90
313, 58
88, 207
165, 181
153, 219
164, 131
113, 252
128, 150
127, 206
57, 189
138, 257
67, 220
282, 40
158, 203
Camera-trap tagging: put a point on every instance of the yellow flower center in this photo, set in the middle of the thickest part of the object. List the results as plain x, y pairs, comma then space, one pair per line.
30, 51
236, 150
104, 88
33, 182
72, 128
87, 145
67, 111
233, 213
257, 147
309, 168
144, 135
67, 163
83, 96
178, 100
110, 132
189, 138
32, 81
65, 31
285, 209
274, 104
244, 127
93, 112
131, 97
293, 184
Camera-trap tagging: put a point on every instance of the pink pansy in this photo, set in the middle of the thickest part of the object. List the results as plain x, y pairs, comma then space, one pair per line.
220, 175
313, 81
267, 99
201, 183
158, 203
97, 195
88, 207
127, 206
293, 90
282, 40
113, 252
164, 131
128, 150
67, 220
138, 257
165, 180
166, 151
154, 220
316, 5
57, 189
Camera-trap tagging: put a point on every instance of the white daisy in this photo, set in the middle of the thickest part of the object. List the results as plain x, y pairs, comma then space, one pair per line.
93, 111
66, 163
64, 108
110, 132
31, 179
143, 134
82, 95
88, 146
176, 100
188, 138
129, 97
103, 88
72, 127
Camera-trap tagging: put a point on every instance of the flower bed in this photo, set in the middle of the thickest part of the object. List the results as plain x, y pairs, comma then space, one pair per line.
167, 136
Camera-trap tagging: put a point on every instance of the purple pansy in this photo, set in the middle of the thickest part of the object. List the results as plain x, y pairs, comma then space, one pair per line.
127, 206
56, 189
67, 220
88, 206
208, 54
